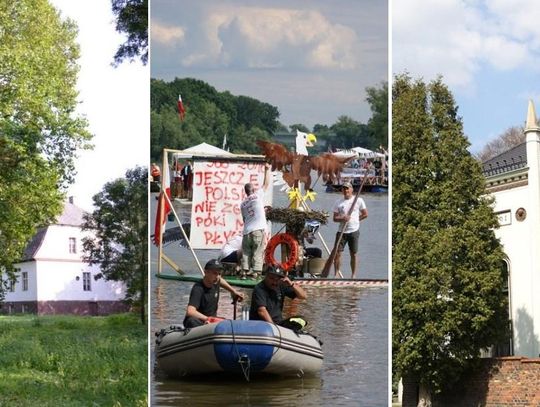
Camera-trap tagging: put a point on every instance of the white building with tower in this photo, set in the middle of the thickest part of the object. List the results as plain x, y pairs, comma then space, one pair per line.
52, 277
513, 179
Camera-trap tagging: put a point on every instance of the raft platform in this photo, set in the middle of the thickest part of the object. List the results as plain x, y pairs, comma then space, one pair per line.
308, 282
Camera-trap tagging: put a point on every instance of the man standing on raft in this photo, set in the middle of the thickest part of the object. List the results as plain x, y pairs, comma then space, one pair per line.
254, 240
351, 225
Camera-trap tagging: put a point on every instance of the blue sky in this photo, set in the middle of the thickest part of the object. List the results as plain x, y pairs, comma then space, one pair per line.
114, 100
312, 59
487, 52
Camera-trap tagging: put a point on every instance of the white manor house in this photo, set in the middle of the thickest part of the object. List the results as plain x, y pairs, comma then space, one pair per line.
52, 278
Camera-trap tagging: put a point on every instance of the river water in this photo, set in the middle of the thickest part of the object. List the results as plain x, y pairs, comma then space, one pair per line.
352, 323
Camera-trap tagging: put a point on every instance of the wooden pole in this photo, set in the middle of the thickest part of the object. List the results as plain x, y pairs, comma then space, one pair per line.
161, 209
333, 254
187, 239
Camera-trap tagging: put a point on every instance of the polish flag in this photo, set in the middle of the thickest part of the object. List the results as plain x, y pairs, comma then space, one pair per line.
181, 108
163, 202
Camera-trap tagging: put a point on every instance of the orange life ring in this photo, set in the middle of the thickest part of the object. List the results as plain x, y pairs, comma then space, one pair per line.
292, 248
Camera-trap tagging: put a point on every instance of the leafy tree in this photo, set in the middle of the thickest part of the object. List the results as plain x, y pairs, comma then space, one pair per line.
244, 140
446, 276
325, 138
253, 113
131, 19
300, 127
209, 116
29, 198
511, 137
349, 133
320, 128
119, 239
39, 132
378, 123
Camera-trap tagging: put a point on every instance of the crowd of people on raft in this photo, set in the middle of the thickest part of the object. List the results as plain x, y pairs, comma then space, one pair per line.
268, 295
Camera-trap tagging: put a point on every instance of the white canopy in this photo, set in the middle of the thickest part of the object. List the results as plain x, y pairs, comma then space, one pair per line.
203, 149
360, 152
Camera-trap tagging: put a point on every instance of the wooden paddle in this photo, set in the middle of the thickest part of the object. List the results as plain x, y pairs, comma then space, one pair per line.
332, 257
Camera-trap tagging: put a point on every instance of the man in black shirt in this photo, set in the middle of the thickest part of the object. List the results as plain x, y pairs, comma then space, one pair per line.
204, 296
269, 294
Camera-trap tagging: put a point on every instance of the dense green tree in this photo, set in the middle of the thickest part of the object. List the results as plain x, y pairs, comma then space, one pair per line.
210, 115
447, 281
378, 123
244, 140
132, 20
39, 132
349, 133
253, 113
320, 128
38, 71
29, 198
300, 127
119, 234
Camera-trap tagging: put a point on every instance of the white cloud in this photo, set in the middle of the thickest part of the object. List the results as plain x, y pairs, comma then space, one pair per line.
519, 19
250, 37
167, 35
455, 38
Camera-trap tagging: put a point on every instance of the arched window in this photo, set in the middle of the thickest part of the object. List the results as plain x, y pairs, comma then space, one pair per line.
506, 348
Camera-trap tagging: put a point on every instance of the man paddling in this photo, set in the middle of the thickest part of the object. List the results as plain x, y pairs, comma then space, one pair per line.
351, 225
204, 296
268, 296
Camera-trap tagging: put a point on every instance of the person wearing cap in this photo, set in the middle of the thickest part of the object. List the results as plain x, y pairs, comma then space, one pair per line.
204, 296
350, 225
254, 218
268, 296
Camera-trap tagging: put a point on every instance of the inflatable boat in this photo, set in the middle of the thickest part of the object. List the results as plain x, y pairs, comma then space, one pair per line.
237, 346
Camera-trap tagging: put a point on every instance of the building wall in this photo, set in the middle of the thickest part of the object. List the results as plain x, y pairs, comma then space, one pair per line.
63, 281
514, 236
55, 246
20, 295
500, 382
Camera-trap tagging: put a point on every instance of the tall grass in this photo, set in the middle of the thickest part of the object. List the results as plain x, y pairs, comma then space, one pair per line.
73, 361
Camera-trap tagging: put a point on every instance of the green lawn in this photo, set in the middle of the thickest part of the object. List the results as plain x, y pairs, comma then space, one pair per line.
73, 361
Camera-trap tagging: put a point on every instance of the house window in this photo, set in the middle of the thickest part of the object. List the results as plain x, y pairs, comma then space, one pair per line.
86, 281
72, 245
11, 286
25, 281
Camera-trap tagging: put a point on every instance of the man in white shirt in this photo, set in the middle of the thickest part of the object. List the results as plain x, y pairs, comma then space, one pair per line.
350, 225
252, 209
231, 252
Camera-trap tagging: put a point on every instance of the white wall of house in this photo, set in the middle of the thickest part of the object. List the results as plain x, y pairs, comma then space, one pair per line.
513, 236
24, 295
64, 281
56, 245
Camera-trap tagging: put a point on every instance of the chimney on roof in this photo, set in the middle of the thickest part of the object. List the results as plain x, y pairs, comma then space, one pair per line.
71, 199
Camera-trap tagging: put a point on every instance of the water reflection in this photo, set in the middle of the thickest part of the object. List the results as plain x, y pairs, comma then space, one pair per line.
222, 391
